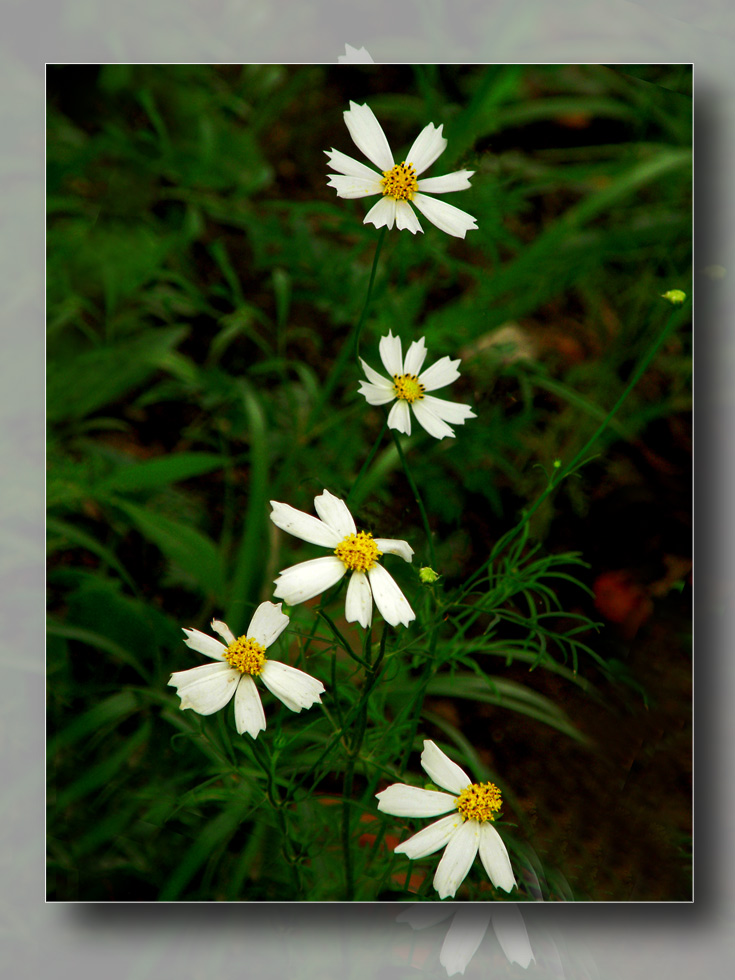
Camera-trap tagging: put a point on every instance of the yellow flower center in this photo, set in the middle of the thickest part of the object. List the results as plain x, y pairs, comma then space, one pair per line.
245, 655
408, 387
400, 183
358, 552
480, 801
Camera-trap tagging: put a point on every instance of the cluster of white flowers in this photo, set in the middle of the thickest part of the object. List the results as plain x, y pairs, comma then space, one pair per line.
238, 661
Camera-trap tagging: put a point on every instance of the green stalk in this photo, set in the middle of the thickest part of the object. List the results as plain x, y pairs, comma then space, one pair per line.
417, 498
352, 344
264, 759
577, 461
371, 676
367, 462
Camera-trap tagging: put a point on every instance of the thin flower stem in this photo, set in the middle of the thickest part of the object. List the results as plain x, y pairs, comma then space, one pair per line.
339, 737
264, 759
340, 639
346, 831
371, 676
361, 321
428, 672
367, 463
578, 459
352, 344
417, 498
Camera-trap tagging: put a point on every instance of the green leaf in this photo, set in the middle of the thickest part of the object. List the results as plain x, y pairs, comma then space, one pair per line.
102, 773
69, 536
249, 560
112, 710
84, 383
155, 473
505, 694
218, 831
98, 642
186, 547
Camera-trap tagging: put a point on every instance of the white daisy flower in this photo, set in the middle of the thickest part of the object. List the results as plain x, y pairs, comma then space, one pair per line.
408, 389
472, 807
398, 183
208, 688
356, 552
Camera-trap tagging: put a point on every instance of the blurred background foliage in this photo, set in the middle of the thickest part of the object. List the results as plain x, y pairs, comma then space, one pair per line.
201, 279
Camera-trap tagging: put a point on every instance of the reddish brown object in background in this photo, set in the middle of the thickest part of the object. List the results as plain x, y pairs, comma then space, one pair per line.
622, 600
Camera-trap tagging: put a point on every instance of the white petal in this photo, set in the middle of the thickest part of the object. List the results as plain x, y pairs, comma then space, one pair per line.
441, 770
510, 931
401, 800
349, 166
389, 599
205, 644
224, 631
382, 213
458, 181
267, 624
307, 579
454, 412
368, 135
206, 689
415, 356
390, 354
429, 420
335, 514
442, 372
406, 219
392, 546
249, 714
296, 689
374, 377
431, 838
457, 859
399, 417
359, 600
303, 525
427, 146
464, 935
376, 394
495, 858
351, 187
445, 216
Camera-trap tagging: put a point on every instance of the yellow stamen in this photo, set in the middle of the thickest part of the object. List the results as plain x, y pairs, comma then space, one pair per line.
246, 655
400, 183
358, 552
480, 801
408, 387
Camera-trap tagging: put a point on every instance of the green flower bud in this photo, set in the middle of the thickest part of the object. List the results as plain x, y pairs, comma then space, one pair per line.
428, 575
675, 296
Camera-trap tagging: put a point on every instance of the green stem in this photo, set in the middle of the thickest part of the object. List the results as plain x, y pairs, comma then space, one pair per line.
417, 498
346, 831
576, 461
352, 344
371, 676
264, 759
361, 321
366, 464
355, 712
340, 638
